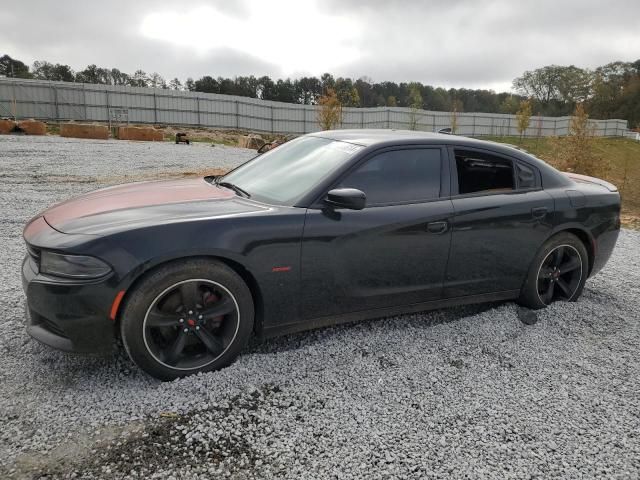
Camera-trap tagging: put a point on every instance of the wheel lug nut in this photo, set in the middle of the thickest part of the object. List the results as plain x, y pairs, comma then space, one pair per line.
199, 317
186, 330
197, 327
181, 320
190, 312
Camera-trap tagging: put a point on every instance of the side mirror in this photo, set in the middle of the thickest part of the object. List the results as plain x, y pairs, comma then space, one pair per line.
350, 198
447, 131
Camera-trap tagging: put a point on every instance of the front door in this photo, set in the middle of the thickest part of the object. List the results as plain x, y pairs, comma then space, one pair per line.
394, 251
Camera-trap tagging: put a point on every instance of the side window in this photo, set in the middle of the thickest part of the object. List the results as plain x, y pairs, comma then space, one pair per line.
481, 172
526, 176
398, 176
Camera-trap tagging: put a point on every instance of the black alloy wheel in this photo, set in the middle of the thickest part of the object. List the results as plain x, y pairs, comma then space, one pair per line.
560, 274
186, 317
557, 272
191, 323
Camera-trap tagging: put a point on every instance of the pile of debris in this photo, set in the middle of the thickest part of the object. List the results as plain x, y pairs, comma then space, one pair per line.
22, 127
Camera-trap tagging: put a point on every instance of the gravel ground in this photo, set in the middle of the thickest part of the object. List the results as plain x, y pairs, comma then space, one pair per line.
464, 392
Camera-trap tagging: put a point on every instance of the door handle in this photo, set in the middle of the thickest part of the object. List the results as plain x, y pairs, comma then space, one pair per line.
437, 227
539, 212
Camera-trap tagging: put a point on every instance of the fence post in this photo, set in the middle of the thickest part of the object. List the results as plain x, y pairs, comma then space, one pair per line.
304, 119
55, 99
388, 117
198, 110
84, 96
155, 107
473, 134
15, 102
271, 112
237, 108
108, 106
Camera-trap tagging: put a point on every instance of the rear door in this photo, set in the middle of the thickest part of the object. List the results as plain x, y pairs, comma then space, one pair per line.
394, 251
501, 218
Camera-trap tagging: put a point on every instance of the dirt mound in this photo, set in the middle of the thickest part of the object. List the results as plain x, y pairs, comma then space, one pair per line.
33, 127
140, 133
251, 141
78, 130
7, 126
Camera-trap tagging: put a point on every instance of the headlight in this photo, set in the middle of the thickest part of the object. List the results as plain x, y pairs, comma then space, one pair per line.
72, 266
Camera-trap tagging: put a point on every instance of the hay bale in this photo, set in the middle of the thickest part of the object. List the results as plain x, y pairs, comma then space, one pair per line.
7, 126
79, 130
250, 141
146, 134
33, 127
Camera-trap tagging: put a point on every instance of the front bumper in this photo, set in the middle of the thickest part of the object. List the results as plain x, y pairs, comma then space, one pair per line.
68, 315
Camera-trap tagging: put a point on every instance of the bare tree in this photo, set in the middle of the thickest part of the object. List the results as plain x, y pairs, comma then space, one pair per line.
576, 152
523, 117
456, 107
415, 105
329, 113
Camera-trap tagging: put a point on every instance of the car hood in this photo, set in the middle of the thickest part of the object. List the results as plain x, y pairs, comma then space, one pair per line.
145, 204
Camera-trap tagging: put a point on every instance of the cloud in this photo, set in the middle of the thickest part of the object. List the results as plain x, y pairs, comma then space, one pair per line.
461, 43
269, 30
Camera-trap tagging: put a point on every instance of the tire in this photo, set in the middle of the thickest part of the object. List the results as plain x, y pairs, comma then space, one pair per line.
558, 272
187, 317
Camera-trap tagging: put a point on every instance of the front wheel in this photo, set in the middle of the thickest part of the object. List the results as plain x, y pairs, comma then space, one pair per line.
187, 317
557, 273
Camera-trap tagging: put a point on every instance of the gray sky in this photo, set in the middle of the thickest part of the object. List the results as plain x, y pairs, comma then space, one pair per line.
450, 43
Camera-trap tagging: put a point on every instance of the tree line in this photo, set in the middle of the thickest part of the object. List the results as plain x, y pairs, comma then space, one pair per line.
608, 91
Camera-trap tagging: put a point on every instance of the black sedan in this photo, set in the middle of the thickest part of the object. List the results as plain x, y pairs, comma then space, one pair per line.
330, 227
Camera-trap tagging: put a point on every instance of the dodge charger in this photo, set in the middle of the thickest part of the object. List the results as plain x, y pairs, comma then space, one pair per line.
327, 228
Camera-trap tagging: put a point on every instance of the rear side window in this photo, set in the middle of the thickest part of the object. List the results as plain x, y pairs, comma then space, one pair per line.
526, 176
398, 176
481, 172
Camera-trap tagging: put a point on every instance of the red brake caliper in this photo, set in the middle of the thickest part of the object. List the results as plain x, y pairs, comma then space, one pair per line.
210, 299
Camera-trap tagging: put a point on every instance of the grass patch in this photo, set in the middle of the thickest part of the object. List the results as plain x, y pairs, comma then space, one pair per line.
53, 128
623, 155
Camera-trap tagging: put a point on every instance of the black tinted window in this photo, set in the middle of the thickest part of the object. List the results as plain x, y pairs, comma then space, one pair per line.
398, 176
481, 172
526, 176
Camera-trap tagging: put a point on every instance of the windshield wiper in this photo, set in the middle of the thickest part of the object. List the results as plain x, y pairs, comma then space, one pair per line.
235, 188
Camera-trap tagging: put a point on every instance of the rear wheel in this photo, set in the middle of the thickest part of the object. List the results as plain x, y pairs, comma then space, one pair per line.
187, 317
558, 272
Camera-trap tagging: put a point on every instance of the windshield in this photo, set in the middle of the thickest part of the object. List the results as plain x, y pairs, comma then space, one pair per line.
285, 174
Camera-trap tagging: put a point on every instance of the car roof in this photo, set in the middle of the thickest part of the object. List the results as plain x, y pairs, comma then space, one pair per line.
368, 137
373, 137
